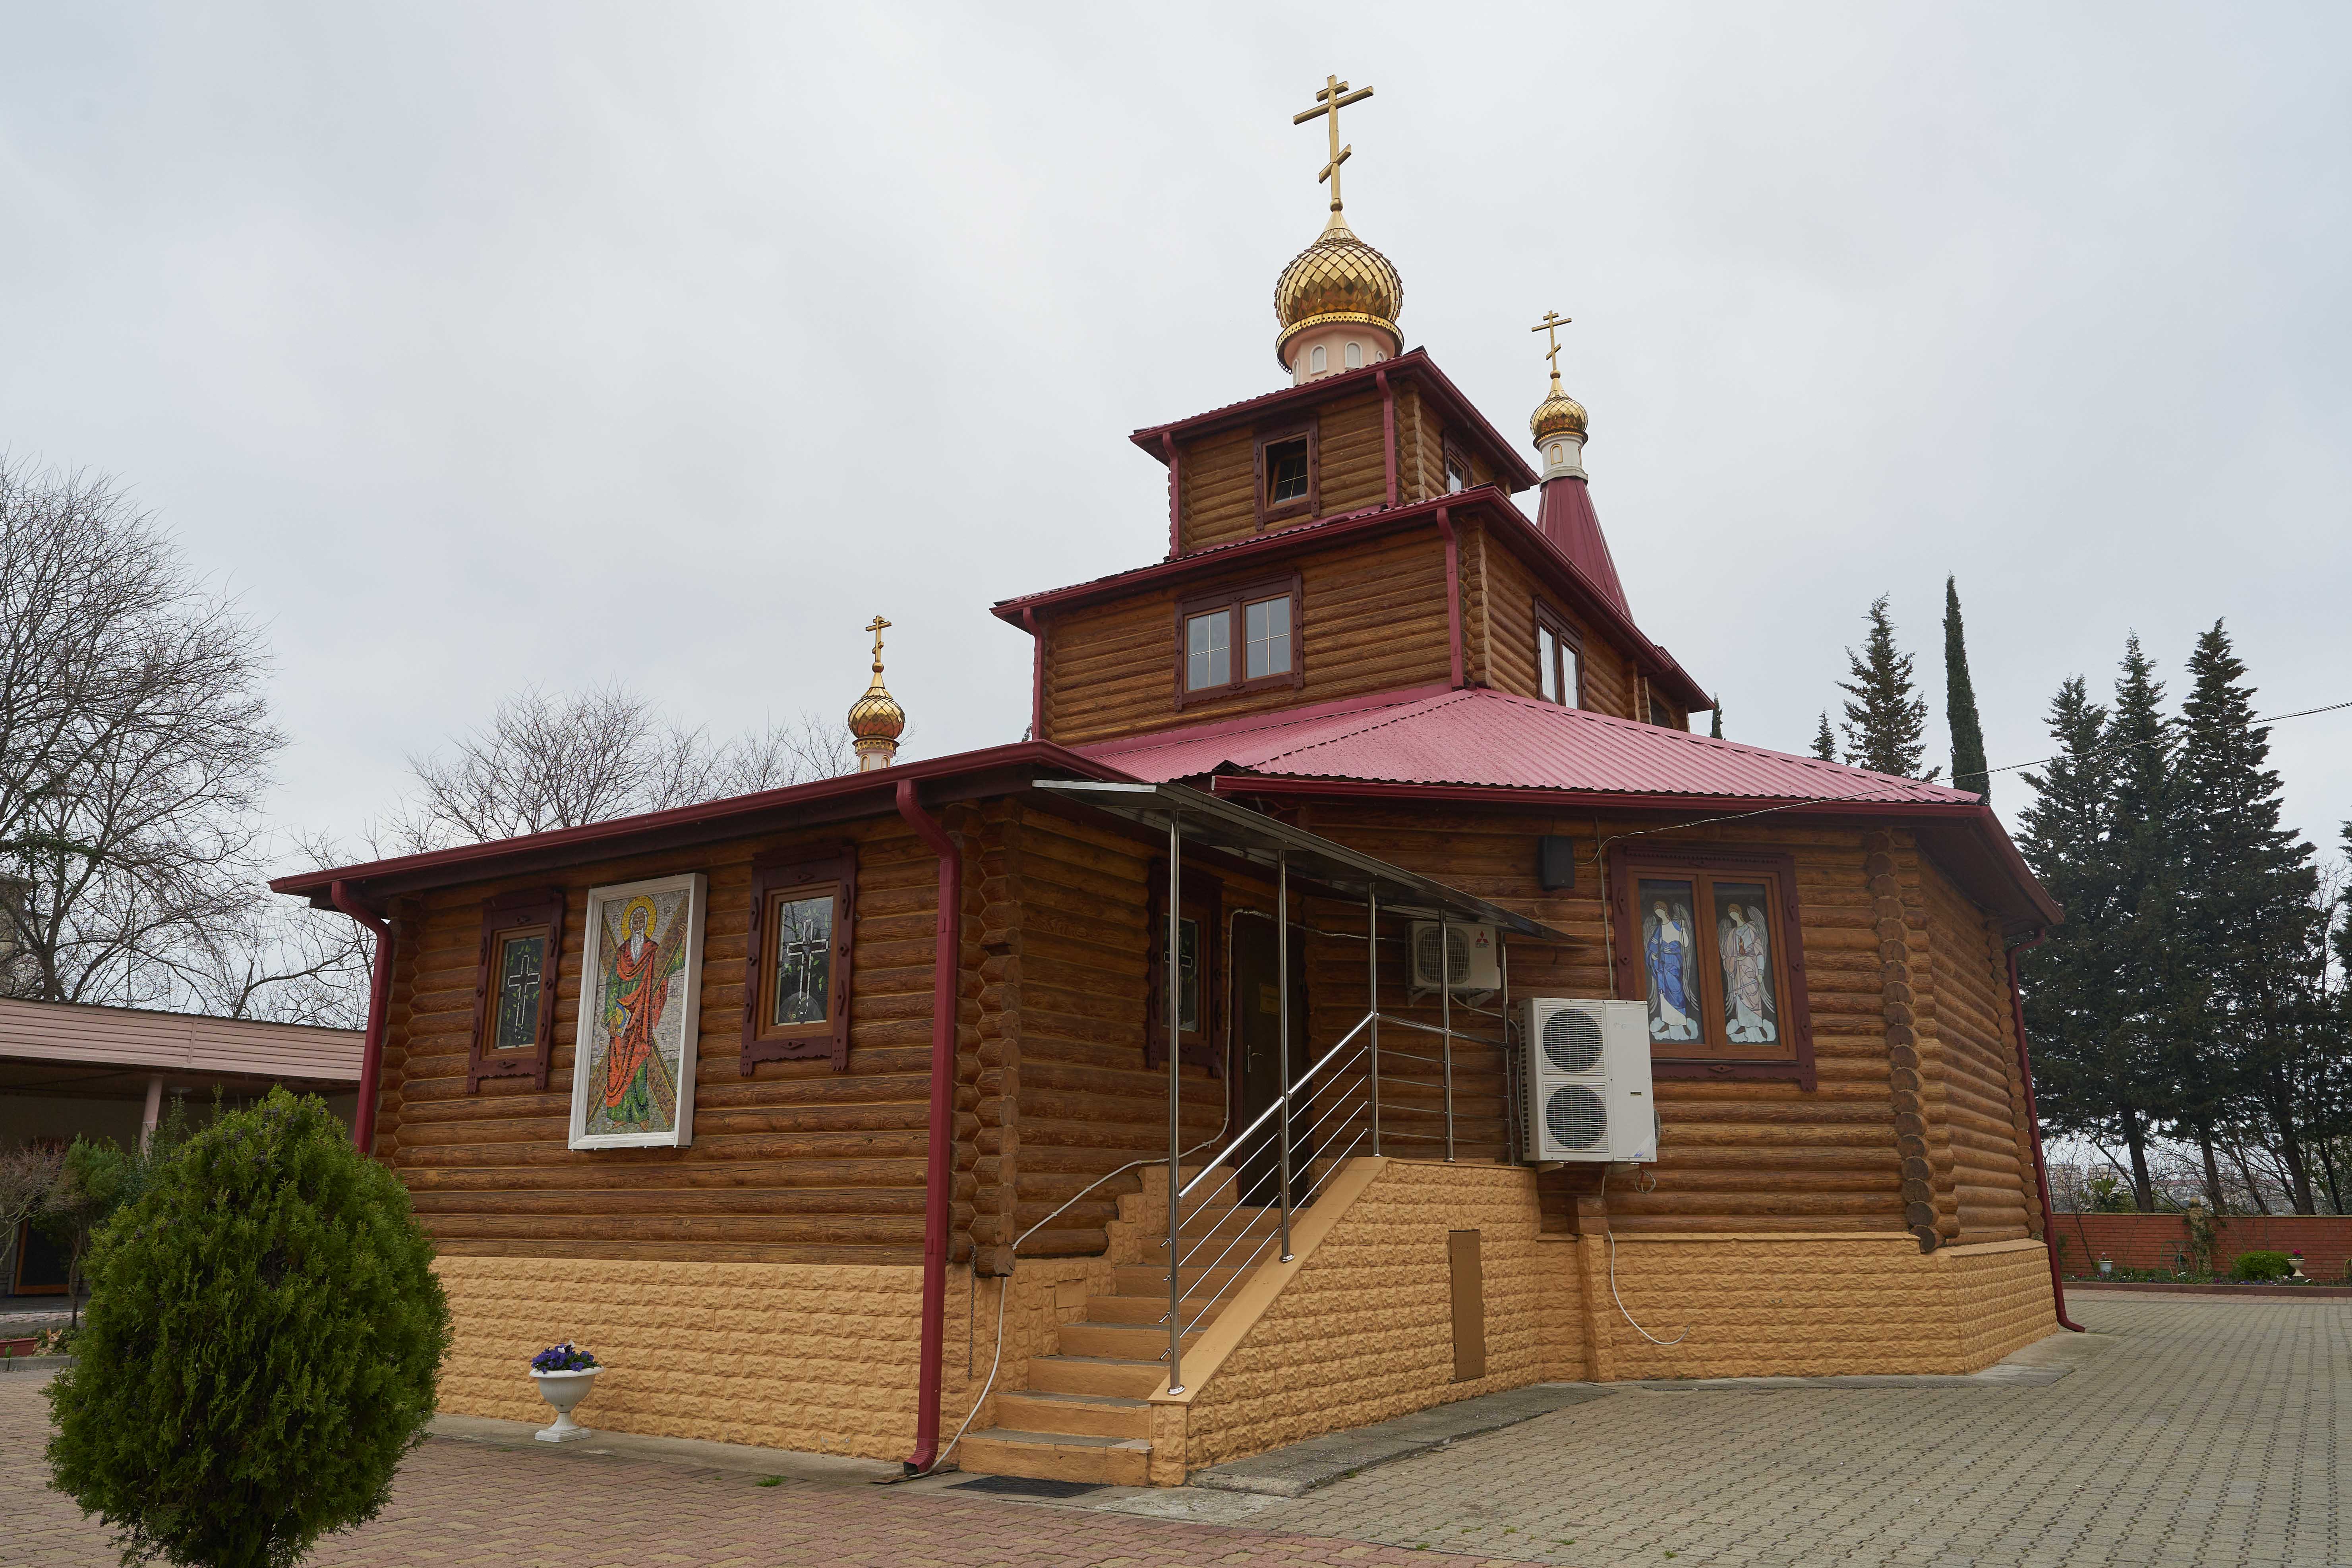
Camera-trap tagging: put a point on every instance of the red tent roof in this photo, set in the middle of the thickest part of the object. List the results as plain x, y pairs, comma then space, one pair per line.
1568, 520
1490, 739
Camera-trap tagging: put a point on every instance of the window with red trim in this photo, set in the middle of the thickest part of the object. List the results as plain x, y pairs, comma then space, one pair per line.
1242, 638
1710, 943
514, 987
1289, 483
796, 975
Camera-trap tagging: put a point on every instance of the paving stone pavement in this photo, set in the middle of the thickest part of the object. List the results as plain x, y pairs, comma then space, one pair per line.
2190, 1435
2201, 1435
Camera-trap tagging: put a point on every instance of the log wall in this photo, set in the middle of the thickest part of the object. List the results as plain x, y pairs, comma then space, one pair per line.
1967, 1032
797, 1164
1500, 594
1372, 619
1220, 470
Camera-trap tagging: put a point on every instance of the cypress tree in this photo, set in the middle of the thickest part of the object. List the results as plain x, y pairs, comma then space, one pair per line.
1969, 764
1825, 743
1714, 719
2250, 934
1885, 718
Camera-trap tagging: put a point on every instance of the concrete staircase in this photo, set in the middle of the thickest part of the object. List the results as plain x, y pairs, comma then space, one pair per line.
1086, 1413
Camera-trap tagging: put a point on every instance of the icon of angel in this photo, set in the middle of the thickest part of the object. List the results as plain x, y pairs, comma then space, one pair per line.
1671, 955
1741, 946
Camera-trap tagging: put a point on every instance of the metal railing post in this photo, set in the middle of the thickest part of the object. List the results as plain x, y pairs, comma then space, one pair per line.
1372, 1003
1282, 994
1445, 1018
1175, 1111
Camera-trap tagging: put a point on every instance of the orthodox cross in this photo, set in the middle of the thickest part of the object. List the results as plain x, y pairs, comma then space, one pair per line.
1333, 98
879, 627
1550, 325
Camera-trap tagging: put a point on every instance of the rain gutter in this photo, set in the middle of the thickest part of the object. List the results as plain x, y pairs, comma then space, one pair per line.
946, 965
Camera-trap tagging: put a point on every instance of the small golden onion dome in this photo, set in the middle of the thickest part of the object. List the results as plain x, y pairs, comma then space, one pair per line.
1338, 278
1558, 415
877, 716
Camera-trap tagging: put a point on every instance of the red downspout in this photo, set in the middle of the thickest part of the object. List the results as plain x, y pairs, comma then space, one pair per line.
379, 1003
946, 964
1453, 594
1175, 495
1036, 675
2040, 1170
1388, 437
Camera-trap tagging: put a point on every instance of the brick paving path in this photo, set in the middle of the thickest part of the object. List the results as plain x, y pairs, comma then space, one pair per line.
2205, 1434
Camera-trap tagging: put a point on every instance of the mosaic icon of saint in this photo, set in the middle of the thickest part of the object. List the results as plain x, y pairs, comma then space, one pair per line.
1668, 950
1746, 975
639, 1091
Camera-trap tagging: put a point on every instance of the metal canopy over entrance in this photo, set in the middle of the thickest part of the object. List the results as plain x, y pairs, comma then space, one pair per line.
1211, 822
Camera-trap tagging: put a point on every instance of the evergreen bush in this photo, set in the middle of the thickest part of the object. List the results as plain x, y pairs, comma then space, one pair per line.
260, 1349
2260, 1265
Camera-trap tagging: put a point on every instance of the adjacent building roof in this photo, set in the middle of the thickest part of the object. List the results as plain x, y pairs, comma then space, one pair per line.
177, 1043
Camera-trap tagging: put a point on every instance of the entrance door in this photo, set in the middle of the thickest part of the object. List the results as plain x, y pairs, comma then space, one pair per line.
1257, 1052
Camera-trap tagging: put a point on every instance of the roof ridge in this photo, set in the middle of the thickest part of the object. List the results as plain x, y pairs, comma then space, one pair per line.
1404, 712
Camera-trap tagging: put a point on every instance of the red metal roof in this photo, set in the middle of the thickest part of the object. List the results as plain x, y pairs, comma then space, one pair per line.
1491, 739
1568, 520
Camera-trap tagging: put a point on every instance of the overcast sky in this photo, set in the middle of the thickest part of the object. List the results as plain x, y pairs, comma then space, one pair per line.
478, 346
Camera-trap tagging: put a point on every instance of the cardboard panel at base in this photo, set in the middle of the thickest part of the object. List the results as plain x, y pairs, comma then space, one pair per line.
1737, 1155
1372, 619
798, 1163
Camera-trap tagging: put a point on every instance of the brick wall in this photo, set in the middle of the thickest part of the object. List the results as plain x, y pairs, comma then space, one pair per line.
2161, 1241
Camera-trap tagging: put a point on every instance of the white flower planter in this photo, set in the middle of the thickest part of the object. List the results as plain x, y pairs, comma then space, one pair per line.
563, 1390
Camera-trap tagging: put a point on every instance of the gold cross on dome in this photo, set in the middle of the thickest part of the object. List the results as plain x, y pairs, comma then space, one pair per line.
1550, 325
1333, 97
878, 627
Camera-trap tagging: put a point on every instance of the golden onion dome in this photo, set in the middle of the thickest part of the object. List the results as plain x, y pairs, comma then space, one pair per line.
1558, 415
1338, 278
877, 715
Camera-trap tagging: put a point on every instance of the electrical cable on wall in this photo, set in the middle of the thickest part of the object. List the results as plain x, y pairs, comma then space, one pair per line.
1611, 1234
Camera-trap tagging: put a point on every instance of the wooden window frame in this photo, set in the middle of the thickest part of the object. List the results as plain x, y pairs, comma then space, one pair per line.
508, 915
1453, 455
1563, 630
1309, 505
810, 868
1234, 599
1677, 1059
1203, 901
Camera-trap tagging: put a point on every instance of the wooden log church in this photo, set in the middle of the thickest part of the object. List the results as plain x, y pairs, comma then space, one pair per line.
1158, 1089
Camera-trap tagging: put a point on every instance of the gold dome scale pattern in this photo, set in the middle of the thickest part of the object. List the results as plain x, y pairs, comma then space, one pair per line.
1337, 280
1558, 415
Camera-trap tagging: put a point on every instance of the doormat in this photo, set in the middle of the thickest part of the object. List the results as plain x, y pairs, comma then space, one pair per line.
1026, 1485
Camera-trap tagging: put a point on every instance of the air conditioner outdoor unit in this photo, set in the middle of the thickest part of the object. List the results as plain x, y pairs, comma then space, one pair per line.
1468, 963
1588, 1080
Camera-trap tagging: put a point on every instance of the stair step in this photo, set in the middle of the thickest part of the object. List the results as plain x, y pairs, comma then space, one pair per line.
1126, 1341
1151, 1279
1094, 1374
1153, 1308
1056, 1457
1230, 1220
1084, 1415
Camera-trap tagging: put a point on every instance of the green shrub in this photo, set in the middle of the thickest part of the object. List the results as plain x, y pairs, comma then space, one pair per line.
260, 1349
2260, 1265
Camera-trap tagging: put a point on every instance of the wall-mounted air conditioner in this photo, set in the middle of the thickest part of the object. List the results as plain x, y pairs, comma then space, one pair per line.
1588, 1080
1462, 957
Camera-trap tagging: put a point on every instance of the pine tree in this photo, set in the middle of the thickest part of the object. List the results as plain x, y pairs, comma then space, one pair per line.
1885, 716
1714, 719
2144, 853
1969, 764
2249, 928
1825, 743
2084, 1085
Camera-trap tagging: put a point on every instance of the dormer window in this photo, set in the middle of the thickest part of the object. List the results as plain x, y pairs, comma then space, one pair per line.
1237, 640
1559, 658
1286, 480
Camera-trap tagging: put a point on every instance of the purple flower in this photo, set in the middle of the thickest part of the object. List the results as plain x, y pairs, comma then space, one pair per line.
565, 1357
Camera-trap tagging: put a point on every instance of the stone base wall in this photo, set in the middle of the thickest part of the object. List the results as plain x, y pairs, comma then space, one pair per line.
819, 1358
